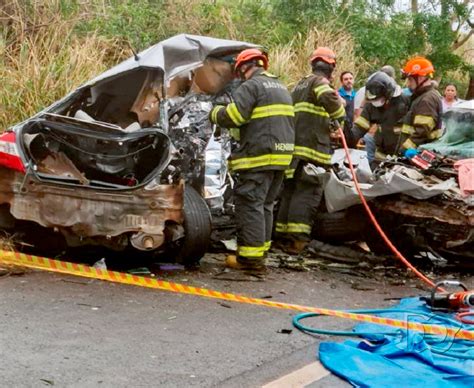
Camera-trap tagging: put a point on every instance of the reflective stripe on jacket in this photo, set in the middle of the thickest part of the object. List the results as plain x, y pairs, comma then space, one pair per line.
263, 110
316, 104
422, 123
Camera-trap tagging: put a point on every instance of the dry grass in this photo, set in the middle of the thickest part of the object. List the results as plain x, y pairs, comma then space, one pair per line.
6, 244
42, 58
291, 61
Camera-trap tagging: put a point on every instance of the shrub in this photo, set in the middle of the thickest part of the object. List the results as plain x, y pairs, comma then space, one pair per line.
43, 59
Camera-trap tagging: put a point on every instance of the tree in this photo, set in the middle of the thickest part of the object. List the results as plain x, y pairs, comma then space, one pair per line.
441, 30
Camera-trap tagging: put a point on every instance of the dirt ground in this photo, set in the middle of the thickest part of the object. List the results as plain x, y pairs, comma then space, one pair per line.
67, 331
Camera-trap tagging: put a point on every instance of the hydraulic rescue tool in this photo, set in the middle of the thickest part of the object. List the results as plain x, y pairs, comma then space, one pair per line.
450, 300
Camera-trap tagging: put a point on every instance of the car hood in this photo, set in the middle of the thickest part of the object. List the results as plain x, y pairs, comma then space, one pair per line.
175, 55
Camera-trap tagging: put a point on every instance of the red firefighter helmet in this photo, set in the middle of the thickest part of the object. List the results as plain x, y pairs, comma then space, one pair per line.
324, 54
252, 54
418, 66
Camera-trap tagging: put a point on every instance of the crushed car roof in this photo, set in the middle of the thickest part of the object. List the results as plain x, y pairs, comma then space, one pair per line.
177, 54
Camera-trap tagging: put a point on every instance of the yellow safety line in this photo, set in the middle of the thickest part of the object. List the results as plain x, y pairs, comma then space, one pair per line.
42, 263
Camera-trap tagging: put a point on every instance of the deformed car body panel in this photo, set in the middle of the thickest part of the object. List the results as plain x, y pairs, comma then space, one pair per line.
449, 213
104, 166
420, 209
168, 55
90, 213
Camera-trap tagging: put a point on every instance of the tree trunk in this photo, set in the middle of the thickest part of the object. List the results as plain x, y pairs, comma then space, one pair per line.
414, 7
470, 90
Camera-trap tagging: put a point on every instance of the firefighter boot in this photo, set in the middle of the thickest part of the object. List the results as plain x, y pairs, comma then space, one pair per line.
232, 262
297, 247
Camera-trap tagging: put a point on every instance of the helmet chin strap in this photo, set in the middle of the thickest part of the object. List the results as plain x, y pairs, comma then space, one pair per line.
419, 85
242, 70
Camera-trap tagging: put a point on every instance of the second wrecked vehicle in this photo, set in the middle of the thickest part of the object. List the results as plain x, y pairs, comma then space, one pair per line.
129, 158
425, 204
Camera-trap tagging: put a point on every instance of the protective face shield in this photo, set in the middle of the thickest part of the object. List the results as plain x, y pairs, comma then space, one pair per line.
379, 102
380, 86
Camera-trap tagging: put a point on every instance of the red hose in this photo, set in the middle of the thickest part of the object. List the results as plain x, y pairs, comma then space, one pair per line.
462, 317
374, 221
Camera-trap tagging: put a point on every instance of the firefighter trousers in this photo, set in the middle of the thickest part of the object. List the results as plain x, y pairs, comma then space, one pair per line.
299, 202
254, 195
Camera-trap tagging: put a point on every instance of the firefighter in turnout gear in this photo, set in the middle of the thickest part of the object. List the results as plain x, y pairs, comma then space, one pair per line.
318, 112
263, 111
386, 107
422, 123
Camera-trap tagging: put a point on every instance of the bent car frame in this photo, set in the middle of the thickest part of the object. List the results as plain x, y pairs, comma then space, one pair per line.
124, 160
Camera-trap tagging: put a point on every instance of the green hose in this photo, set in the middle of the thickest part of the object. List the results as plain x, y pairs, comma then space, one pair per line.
306, 329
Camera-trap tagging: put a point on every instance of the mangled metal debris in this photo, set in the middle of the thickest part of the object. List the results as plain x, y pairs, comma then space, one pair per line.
420, 206
127, 158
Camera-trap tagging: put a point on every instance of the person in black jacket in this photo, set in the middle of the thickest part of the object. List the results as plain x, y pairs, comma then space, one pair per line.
318, 113
386, 107
263, 111
422, 123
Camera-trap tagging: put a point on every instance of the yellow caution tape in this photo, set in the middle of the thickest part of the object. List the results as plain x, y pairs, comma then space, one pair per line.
42, 263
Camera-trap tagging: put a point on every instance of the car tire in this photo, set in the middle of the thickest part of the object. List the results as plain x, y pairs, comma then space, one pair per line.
197, 228
341, 226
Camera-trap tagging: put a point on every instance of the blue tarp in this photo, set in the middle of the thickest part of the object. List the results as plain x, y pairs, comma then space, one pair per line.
405, 359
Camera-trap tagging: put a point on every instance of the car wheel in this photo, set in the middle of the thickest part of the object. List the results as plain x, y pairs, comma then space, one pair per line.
197, 228
341, 226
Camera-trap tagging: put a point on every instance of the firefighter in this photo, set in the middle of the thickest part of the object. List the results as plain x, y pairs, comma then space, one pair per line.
318, 113
386, 107
263, 111
422, 123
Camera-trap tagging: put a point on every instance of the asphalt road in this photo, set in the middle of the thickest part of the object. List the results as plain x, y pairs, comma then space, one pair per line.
66, 331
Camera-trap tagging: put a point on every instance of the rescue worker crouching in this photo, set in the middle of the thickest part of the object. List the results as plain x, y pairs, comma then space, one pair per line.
263, 111
422, 123
386, 107
317, 106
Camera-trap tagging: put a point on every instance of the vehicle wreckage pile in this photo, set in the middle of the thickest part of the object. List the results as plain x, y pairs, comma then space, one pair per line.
131, 159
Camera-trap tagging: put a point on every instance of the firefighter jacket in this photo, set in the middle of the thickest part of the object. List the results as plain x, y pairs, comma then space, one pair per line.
422, 123
389, 120
263, 110
316, 105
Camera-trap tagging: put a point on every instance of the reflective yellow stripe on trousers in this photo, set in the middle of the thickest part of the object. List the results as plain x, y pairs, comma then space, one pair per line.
260, 161
292, 227
246, 251
267, 245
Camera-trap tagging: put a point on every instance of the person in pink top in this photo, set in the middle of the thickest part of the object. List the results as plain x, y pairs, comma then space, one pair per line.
450, 96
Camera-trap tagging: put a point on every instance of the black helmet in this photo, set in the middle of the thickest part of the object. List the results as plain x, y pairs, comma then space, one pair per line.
380, 85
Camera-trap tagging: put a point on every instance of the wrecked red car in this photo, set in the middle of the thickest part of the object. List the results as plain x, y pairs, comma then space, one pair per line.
128, 159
